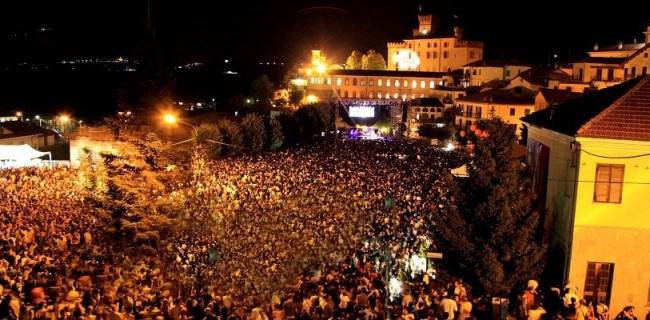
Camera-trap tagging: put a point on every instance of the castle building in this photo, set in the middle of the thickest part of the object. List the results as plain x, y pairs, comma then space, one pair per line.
432, 49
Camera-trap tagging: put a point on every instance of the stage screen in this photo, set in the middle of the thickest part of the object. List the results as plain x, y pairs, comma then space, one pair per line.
362, 112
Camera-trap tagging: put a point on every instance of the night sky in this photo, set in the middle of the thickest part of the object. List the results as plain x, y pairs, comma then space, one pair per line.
250, 31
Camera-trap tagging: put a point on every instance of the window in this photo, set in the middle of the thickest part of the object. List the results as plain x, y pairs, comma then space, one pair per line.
474, 72
418, 109
445, 44
354, 94
379, 82
435, 55
599, 74
428, 55
370, 94
609, 183
379, 95
347, 82
329, 81
428, 45
338, 81
645, 55
610, 74
395, 95
625, 73
445, 55
371, 83
633, 72
414, 84
396, 83
478, 111
644, 71
345, 94
512, 111
526, 111
387, 95
388, 82
354, 81
471, 54
363, 82
423, 84
406, 83
432, 84
598, 282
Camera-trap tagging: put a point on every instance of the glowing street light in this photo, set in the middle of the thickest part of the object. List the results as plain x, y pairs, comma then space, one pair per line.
19, 114
170, 118
64, 118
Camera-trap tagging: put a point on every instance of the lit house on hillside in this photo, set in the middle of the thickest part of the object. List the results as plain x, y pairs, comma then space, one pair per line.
481, 72
610, 65
590, 163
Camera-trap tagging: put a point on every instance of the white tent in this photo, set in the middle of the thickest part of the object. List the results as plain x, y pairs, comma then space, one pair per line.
460, 171
20, 153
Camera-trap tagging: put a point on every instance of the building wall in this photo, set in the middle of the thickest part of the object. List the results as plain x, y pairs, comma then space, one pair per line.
611, 54
417, 115
35, 141
493, 110
614, 232
373, 87
560, 191
481, 75
640, 63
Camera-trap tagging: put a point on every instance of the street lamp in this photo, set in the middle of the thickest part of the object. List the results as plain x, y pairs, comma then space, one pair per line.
172, 119
19, 115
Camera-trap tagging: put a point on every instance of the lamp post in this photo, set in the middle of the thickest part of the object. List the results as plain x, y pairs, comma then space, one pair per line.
37, 117
172, 119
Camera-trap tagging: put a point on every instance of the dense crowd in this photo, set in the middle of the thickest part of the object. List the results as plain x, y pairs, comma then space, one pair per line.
318, 232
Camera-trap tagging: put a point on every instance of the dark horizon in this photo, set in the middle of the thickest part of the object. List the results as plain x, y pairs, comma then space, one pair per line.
34, 31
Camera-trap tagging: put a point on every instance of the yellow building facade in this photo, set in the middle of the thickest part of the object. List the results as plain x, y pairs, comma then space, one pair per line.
433, 50
481, 72
375, 84
507, 104
590, 157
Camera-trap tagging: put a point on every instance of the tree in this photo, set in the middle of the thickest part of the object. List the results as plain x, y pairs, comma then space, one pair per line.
354, 61
254, 131
211, 132
151, 148
490, 233
276, 137
373, 61
296, 93
291, 129
262, 92
231, 134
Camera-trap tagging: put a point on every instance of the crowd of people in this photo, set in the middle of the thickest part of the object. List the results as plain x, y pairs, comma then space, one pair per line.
317, 232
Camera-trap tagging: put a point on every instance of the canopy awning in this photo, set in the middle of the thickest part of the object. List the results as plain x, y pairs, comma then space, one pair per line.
19, 153
460, 171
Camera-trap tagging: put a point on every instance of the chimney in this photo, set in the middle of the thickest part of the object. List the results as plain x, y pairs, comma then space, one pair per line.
634, 41
595, 47
620, 45
647, 33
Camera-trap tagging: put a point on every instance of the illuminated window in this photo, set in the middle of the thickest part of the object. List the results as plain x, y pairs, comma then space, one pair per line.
329, 81
338, 81
388, 82
379, 82
421, 95
422, 84
396, 83
432, 84
387, 95
609, 183
403, 97
406, 83
370, 94
412, 96
347, 82
354, 81
371, 83
395, 95
363, 82
414, 84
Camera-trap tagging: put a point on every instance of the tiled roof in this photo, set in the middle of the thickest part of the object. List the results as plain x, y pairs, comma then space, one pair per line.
557, 96
603, 60
540, 76
638, 52
590, 115
501, 96
19, 129
388, 73
628, 118
497, 63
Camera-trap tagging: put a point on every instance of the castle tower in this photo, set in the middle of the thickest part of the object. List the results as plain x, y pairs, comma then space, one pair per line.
427, 24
